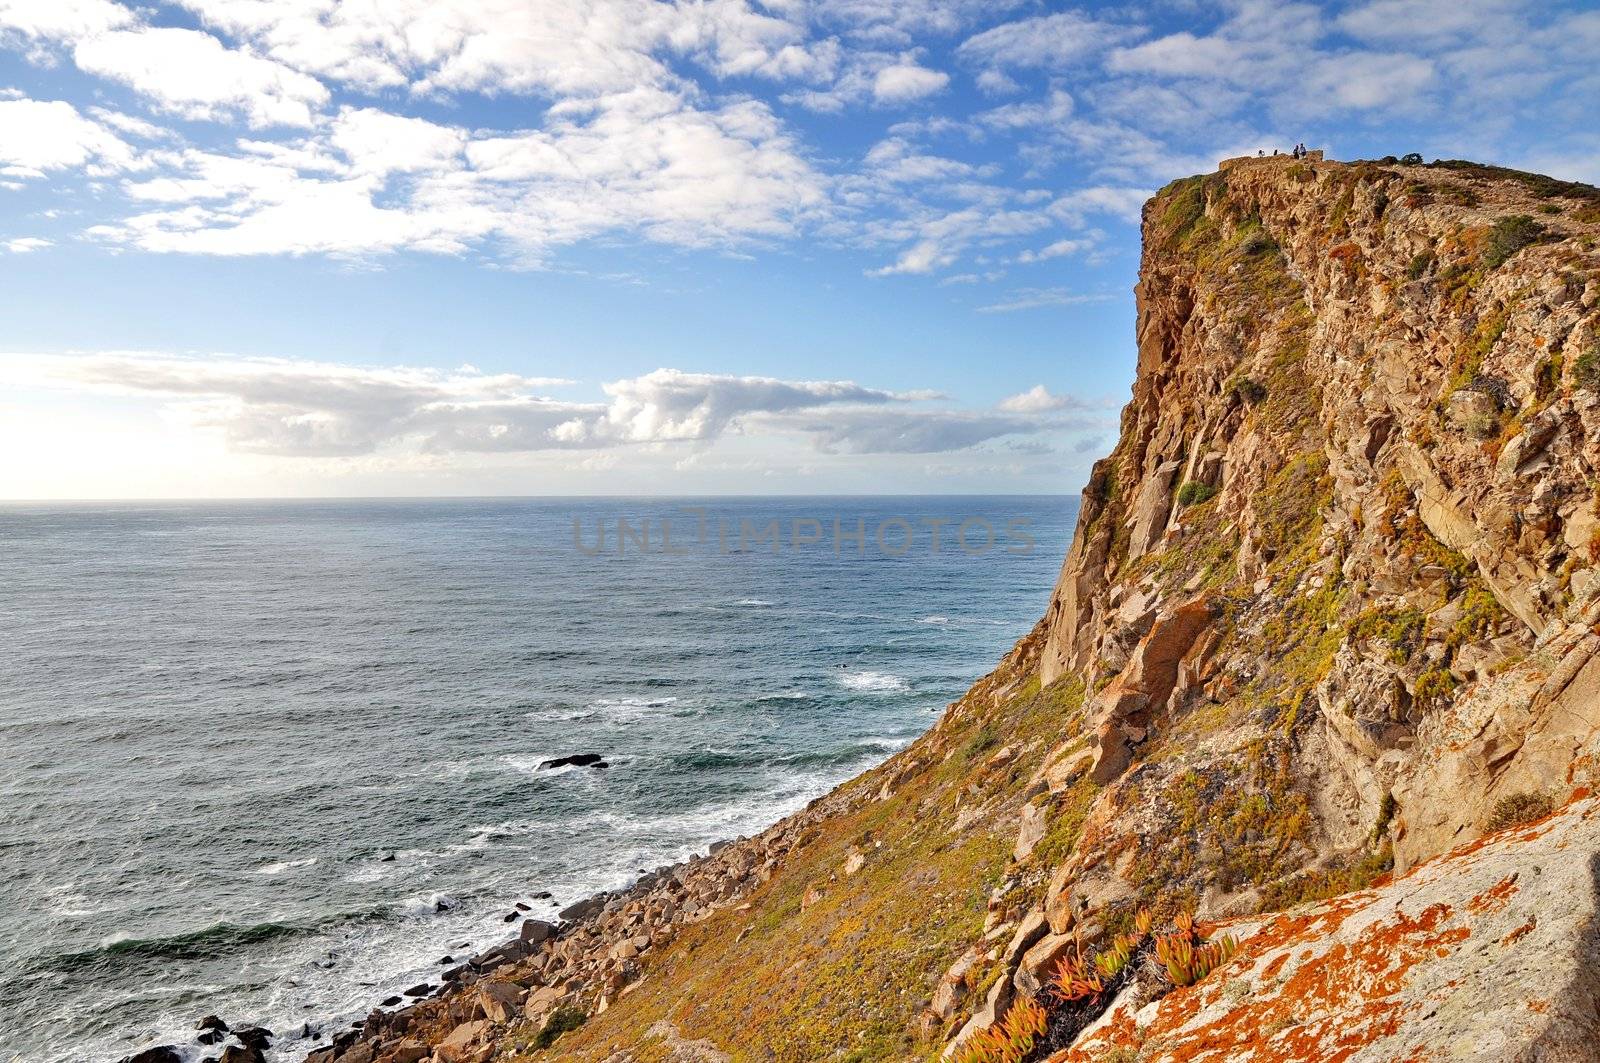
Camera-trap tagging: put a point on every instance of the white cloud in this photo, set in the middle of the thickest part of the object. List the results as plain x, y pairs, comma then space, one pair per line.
645, 162
1050, 41
194, 75
1039, 399
1407, 22
61, 19
1124, 203
24, 244
42, 135
905, 82
997, 83
1058, 249
297, 408
899, 431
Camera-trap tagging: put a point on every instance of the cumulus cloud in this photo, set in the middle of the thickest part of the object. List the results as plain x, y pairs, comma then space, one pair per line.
905, 82
298, 408
23, 244
37, 136
1039, 399
1056, 250
194, 75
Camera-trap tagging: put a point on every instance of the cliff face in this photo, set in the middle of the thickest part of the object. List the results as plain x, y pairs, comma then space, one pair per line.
1363, 442
1330, 612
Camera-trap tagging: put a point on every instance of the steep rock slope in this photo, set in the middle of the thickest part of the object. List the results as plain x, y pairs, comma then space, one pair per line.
1330, 610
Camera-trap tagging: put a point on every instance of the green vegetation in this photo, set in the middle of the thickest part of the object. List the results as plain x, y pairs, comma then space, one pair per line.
1419, 264
1517, 809
1586, 370
1245, 390
1194, 492
562, 1020
1510, 235
984, 740
1539, 184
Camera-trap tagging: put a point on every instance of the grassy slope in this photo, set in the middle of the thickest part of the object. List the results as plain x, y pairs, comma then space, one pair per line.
845, 976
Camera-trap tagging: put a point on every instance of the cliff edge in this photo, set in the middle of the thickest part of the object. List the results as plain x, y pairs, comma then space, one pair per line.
1331, 617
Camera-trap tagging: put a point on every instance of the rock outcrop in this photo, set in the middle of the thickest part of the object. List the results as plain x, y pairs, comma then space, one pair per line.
1485, 954
1331, 612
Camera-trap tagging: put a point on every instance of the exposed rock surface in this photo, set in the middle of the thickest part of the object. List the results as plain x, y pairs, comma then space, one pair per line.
1485, 954
1332, 610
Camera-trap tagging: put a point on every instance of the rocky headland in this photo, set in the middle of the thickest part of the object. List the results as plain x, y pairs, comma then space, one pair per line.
1296, 766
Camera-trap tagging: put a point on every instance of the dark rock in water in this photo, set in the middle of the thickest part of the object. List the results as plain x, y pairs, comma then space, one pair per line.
159, 1054
544, 895
419, 990
447, 959
523, 907
510, 917
442, 906
211, 1022
577, 760
388, 859
453, 973
257, 1037
212, 1037
390, 1002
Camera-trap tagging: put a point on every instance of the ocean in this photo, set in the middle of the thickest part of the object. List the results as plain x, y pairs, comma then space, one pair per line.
275, 760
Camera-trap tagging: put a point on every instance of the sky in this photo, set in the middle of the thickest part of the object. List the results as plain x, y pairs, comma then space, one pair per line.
260, 248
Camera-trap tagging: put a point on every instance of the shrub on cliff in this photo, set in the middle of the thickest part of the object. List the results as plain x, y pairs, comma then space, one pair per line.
1586, 370
1194, 492
561, 1021
1510, 235
1516, 809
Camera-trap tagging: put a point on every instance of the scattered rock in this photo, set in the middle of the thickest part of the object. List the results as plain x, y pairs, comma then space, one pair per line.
577, 760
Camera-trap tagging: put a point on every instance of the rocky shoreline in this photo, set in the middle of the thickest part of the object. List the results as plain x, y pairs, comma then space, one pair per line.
550, 977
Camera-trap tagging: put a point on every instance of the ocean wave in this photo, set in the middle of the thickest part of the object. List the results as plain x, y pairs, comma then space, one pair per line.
785, 695
753, 603
208, 943
934, 620
280, 866
874, 682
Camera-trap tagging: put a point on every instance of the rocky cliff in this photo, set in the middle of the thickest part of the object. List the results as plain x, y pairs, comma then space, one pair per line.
1330, 617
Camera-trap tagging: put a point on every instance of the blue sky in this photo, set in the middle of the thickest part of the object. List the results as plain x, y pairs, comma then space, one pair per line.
305, 247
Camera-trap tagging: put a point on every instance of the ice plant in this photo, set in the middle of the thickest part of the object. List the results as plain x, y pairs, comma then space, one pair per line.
1010, 1040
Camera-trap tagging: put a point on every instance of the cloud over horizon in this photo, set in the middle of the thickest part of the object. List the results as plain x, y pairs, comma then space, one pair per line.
290, 408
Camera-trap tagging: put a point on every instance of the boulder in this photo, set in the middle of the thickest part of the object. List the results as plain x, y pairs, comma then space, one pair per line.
158, 1054
501, 1001
463, 1043
583, 909
406, 1052
536, 931
1038, 965
1031, 831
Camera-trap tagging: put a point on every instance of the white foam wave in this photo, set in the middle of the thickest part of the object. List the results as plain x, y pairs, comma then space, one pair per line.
934, 620
874, 682
753, 603
280, 866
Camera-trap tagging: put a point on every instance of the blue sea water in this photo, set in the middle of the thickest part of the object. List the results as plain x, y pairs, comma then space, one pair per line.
252, 749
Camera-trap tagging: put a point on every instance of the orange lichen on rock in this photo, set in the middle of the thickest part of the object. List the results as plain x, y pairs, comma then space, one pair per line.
1354, 978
